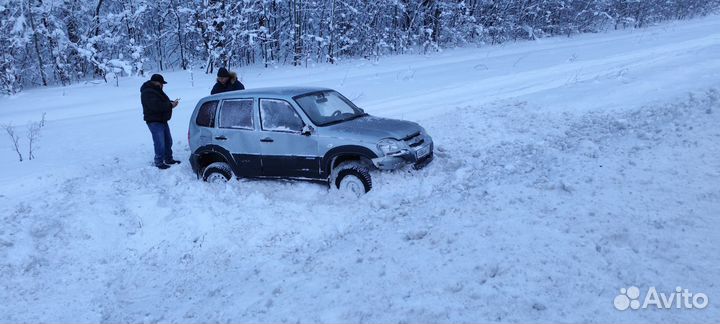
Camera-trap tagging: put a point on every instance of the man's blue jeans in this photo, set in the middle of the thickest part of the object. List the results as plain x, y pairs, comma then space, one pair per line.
162, 142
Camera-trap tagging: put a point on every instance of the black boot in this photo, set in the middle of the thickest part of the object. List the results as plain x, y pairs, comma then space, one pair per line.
163, 166
172, 162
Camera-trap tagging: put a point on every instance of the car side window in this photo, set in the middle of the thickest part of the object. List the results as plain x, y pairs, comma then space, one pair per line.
206, 114
279, 116
237, 113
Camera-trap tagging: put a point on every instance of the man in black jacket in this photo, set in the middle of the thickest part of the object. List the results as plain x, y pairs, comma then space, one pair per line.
226, 81
157, 110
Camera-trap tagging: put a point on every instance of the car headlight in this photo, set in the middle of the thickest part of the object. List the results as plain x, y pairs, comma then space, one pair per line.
391, 146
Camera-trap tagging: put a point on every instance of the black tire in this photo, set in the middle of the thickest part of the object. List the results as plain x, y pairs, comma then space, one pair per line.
212, 172
350, 171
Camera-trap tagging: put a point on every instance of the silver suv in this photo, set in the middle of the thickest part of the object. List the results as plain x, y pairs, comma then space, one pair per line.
299, 133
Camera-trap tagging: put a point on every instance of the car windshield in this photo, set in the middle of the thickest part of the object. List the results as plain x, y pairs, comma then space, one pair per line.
328, 107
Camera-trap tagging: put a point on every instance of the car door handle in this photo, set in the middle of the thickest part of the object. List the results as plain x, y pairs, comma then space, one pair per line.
220, 138
267, 140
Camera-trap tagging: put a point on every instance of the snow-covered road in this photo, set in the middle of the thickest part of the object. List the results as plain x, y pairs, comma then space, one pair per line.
566, 169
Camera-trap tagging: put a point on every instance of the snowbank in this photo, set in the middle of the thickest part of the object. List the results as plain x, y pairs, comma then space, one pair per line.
540, 205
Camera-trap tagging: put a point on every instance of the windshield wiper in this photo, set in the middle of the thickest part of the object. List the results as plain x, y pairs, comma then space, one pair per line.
355, 116
344, 119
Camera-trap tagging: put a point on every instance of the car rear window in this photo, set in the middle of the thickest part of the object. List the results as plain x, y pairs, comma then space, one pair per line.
206, 114
237, 113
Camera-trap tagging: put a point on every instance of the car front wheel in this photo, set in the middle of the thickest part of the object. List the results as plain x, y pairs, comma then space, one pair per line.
352, 177
217, 172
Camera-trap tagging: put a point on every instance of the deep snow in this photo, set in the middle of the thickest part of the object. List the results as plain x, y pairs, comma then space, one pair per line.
566, 169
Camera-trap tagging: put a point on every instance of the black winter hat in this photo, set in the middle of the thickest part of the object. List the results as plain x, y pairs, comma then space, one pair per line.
158, 78
223, 73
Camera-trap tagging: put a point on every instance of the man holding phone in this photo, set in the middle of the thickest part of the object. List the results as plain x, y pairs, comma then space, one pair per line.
157, 111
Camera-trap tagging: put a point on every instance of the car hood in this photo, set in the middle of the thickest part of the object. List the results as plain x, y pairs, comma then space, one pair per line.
375, 128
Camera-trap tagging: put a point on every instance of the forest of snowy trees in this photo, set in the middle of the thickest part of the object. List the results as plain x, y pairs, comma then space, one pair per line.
48, 42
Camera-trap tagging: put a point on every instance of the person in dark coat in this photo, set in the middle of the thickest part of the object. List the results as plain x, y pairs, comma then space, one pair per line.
226, 81
157, 111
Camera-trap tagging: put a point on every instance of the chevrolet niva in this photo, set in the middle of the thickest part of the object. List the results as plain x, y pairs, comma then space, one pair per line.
299, 133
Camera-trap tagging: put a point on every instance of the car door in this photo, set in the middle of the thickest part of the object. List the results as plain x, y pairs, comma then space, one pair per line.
286, 152
202, 132
237, 132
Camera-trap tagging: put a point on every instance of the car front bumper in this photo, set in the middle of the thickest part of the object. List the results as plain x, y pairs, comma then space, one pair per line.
389, 162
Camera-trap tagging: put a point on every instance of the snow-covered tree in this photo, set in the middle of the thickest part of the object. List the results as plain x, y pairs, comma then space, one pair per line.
63, 41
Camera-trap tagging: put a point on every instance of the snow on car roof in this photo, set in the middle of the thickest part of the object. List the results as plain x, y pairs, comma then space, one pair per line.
289, 91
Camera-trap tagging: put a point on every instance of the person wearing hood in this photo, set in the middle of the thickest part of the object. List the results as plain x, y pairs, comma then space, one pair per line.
157, 111
226, 81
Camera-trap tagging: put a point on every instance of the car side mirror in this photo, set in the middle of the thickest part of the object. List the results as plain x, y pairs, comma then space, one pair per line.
307, 130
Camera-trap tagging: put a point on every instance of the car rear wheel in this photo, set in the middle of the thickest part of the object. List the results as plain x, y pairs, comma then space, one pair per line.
352, 177
217, 172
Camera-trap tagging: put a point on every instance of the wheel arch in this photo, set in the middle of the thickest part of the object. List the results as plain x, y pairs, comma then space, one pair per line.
208, 154
345, 153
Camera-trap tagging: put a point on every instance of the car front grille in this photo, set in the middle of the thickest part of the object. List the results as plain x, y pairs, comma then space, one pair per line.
414, 139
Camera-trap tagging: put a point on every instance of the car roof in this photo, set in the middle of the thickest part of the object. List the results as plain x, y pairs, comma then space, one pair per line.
281, 92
